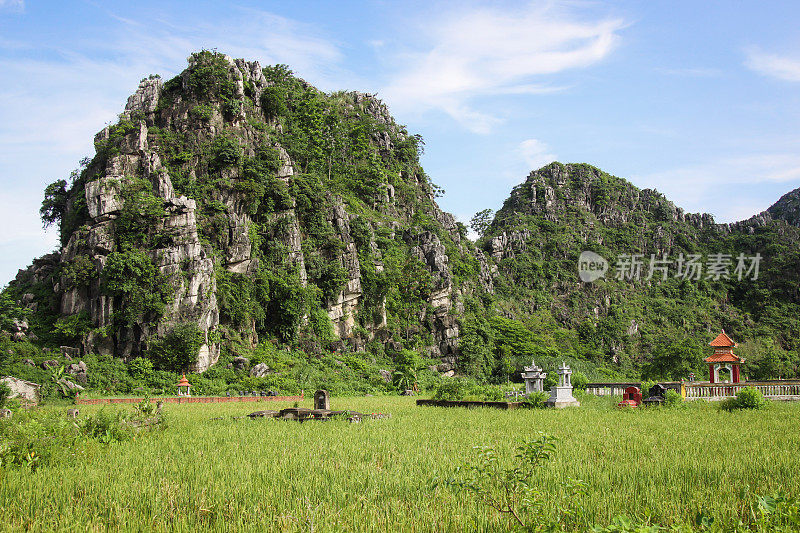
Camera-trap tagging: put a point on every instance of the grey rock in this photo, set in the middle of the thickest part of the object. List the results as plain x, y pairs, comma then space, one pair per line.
260, 370
28, 362
70, 385
386, 375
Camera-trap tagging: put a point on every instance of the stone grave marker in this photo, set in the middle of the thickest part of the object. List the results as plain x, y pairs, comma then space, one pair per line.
321, 400
632, 397
657, 394
561, 394
534, 378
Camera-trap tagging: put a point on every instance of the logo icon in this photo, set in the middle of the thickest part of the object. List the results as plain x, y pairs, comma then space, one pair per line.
591, 266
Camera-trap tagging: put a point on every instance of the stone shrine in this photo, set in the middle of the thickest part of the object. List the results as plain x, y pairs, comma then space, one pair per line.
534, 378
561, 394
632, 397
321, 400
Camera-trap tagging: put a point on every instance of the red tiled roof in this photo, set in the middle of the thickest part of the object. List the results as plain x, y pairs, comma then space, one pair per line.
184, 382
723, 358
722, 340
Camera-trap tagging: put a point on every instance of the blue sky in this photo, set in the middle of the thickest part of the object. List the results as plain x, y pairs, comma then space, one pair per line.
699, 100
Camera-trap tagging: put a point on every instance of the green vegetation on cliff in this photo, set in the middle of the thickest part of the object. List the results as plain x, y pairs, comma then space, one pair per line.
236, 210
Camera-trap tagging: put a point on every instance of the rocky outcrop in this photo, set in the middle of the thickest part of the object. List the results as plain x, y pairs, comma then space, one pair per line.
166, 136
787, 208
24, 389
182, 257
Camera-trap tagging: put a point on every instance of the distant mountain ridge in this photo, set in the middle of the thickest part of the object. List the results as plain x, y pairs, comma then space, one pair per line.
561, 210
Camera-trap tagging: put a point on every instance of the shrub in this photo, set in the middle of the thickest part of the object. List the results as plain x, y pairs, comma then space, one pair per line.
455, 389
536, 400
107, 427
135, 281
273, 100
672, 398
509, 488
5, 393
579, 381
225, 152
140, 368
33, 440
178, 349
747, 398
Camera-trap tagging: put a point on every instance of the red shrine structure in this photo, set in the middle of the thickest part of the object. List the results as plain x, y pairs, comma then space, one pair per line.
184, 387
723, 358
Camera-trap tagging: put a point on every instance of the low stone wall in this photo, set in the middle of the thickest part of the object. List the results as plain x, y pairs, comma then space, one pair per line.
610, 389
776, 389
192, 399
617, 389
469, 404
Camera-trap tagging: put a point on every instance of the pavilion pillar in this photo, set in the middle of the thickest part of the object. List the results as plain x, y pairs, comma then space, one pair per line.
735, 374
711, 373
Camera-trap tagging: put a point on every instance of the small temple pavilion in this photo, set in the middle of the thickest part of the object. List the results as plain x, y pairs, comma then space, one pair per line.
184, 387
723, 358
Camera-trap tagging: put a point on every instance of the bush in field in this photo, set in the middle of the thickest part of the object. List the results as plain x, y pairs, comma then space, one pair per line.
455, 389
140, 368
107, 427
672, 398
536, 400
32, 441
747, 398
409, 363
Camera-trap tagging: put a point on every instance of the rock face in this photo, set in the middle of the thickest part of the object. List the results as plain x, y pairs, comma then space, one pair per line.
260, 370
202, 170
787, 208
80, 371
24, 389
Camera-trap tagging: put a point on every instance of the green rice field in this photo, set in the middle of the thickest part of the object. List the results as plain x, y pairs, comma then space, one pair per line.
658, 466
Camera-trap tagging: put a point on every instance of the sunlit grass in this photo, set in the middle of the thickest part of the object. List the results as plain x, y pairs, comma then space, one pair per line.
381, 475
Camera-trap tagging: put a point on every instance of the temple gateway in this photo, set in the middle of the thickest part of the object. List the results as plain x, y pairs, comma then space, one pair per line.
723, 359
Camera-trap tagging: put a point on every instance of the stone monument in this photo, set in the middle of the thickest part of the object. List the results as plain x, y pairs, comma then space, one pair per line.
561, 394
534, 378
321, 400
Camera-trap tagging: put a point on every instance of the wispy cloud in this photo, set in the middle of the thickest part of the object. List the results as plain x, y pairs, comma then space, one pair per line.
719, 183
13, 5
535, 153
776, 66
486, 51
54, 101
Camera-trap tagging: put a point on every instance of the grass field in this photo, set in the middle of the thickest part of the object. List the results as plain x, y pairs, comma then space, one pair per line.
658, 465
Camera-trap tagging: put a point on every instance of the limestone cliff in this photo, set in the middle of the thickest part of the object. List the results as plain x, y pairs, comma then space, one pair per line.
243, 202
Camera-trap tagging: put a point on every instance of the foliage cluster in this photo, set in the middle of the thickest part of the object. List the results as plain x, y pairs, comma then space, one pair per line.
746, 398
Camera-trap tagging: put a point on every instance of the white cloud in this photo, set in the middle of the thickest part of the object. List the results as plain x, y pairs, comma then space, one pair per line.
14, 5
773, 65
716, 185
483, 52
536, 153
54, 101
